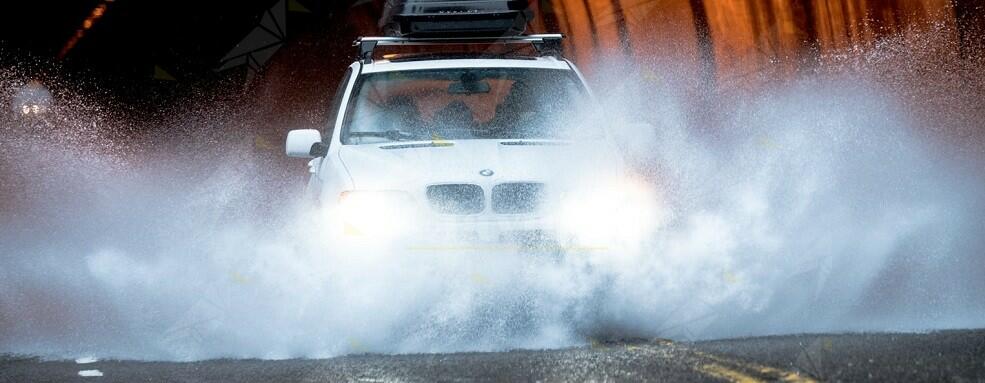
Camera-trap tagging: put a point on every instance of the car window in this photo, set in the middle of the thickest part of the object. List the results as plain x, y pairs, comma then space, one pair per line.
467, 103
333, 111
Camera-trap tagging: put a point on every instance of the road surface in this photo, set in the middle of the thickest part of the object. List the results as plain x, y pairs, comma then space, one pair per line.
957, 356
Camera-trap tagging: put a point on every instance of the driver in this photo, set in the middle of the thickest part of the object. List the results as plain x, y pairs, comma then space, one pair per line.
403, 115
454, 116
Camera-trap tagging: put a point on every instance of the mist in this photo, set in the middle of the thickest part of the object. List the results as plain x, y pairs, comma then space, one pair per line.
822, 204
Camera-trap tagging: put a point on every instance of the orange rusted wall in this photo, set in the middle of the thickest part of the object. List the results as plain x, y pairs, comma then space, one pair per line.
746, 37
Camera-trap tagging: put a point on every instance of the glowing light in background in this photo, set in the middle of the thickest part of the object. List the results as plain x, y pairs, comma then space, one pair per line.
31, 99
87, 24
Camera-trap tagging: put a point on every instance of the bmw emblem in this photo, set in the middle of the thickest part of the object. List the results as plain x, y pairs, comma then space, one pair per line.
486, 172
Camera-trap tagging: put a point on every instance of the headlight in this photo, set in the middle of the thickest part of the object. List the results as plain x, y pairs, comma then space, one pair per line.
375, 214
614, 213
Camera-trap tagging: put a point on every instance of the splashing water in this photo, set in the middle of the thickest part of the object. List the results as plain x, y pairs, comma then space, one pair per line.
814, 205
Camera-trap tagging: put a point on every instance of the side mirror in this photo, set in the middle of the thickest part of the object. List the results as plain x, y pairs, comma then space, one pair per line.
304, 143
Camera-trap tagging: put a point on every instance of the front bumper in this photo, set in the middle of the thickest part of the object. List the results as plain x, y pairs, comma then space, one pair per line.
468, 233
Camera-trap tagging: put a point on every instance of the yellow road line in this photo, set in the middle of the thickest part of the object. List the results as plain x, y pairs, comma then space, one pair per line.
732, 370
726, 373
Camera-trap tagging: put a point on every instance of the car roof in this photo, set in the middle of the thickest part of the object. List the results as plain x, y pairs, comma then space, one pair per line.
525, 62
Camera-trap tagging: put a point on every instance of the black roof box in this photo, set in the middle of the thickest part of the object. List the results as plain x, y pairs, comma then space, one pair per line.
432, 18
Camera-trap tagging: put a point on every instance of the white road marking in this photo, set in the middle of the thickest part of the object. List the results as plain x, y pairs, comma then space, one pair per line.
90, 373
86, 360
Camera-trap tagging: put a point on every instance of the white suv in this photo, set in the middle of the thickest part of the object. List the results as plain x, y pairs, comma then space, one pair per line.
446, 149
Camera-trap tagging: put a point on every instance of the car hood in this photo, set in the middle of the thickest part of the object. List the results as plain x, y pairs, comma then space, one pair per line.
403, 165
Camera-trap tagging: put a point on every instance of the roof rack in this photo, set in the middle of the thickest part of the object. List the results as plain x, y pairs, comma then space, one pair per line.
546, 44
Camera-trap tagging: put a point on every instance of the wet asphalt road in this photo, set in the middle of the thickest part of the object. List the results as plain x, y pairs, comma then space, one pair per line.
957, 356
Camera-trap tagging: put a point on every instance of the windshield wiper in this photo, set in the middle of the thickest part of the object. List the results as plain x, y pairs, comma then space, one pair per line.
392, 135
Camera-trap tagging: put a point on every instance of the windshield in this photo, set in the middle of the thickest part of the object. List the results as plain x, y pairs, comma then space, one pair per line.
460, 104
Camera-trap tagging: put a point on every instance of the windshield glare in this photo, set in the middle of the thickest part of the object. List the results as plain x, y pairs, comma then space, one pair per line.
459, 104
